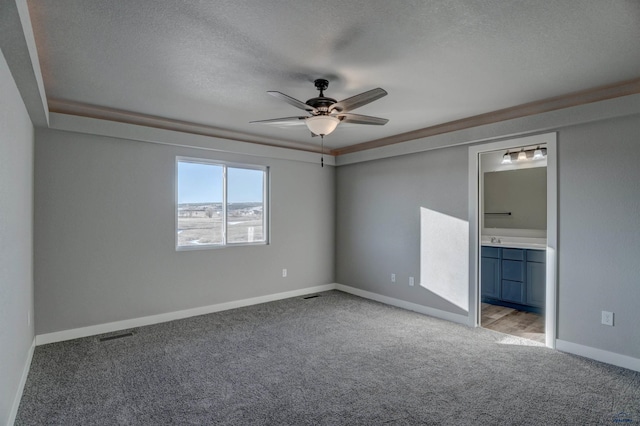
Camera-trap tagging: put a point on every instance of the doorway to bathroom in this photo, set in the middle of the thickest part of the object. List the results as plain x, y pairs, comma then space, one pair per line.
513, 240
513, 236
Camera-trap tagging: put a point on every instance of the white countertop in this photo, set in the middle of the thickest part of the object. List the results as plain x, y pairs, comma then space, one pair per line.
514, 242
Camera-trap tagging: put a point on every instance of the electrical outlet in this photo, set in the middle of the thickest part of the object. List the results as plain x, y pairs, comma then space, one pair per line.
393, 278
411, 282
284, 273
607, 318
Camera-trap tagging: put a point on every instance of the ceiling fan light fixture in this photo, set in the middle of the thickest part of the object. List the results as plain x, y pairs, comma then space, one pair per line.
322, 125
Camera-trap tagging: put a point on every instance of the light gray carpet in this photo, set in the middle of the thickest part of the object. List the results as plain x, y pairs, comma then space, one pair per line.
335, 359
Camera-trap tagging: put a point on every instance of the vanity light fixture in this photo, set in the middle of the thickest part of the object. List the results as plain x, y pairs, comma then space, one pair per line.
524, 155
538, 155
506, 158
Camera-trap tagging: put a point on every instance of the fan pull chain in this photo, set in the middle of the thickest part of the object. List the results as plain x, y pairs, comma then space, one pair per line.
321, 150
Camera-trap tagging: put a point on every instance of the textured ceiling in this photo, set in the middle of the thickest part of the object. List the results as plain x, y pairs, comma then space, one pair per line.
211, 62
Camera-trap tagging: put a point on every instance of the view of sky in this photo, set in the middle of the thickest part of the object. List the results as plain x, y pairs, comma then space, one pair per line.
202, 183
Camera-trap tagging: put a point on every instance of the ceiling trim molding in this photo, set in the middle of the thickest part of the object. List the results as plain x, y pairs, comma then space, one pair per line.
142, 133
530, 125
610, 91
79, 109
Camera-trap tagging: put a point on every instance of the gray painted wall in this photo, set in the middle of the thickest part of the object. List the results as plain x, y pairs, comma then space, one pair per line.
599, 227
599, 234
16, 239
378, 220
104, 227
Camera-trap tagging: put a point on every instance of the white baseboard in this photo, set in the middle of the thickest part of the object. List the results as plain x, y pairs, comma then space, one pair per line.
93, 330
23, 380
599, 355
437, 313
59, 336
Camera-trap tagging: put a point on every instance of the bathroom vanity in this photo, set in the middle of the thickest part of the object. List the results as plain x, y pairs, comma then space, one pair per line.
513, 274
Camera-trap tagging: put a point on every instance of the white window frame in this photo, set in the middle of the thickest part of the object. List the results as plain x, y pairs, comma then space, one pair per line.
266, 210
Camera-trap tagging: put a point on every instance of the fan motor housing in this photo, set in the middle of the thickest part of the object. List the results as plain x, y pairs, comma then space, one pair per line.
321, 103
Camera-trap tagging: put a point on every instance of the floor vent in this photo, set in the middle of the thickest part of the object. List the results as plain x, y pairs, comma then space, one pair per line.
115, 336
311, 297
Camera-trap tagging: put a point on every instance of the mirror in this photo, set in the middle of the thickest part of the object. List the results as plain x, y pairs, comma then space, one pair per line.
522, 193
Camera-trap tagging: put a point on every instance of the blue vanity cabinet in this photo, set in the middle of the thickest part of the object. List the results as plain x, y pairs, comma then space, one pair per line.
490, 278
513, 272
513, 277
536, 277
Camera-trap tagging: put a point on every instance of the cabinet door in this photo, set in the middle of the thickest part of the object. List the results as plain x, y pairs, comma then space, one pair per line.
513, 291
490, 277
513, 270
536, 284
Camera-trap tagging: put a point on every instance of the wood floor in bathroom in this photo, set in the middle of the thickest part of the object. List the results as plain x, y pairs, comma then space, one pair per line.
512, 321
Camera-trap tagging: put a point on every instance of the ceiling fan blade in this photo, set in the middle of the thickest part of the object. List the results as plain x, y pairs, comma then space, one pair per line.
292, 101
362, 119
357, 101
285, 120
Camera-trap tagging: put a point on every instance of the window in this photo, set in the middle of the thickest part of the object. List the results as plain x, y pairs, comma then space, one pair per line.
220, 204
